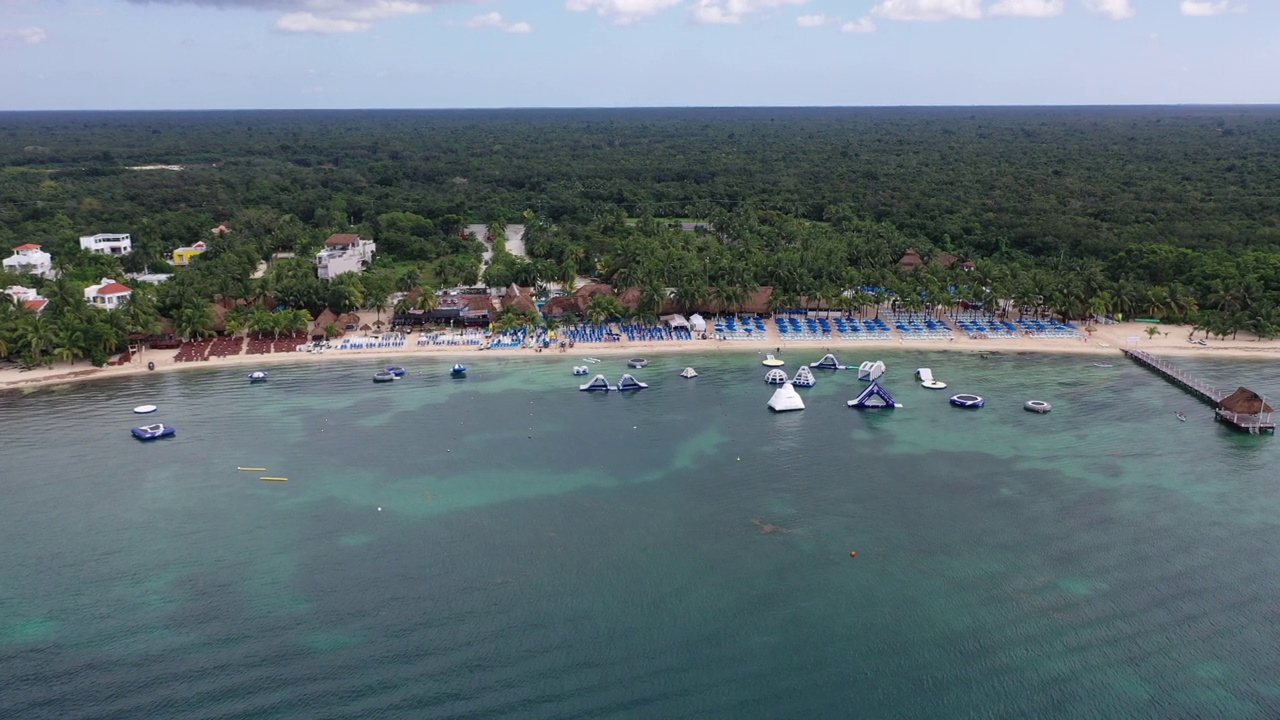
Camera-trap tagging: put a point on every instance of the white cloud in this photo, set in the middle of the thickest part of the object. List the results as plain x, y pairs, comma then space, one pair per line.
495, 20
1114, 9
1027, 8
1199, 8
621, 11
928, 10
731, 12
816, 20
28, 35
861, 26
322, 16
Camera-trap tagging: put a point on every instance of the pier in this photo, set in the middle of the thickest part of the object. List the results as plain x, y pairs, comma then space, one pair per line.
1243, 409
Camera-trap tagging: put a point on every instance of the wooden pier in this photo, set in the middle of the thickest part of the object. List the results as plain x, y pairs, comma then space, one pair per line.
1255, 420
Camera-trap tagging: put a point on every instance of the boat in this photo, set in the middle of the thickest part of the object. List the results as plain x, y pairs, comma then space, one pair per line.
144, 409
776, 377
153, 432
382, 376
591, 360
459, 370
771, 361
1037, 406
258, 376
1182, 417
804, 378
637, 363
828, 362
926, 379
598, 383
688, 373
396, 370
580, 370
870, 370
874, 397
786, 399
629, 382
966, 400
1103, 365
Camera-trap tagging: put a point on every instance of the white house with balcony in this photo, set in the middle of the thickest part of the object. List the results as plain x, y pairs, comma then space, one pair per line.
29, 298
107, 294
29, 259
344, 253
108, 243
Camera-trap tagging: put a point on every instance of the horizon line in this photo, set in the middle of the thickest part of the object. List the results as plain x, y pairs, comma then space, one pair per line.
511, 108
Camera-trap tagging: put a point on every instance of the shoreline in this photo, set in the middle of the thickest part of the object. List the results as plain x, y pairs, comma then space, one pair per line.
1106, 340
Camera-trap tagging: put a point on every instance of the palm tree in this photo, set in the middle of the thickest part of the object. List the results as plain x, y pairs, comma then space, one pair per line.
427, 299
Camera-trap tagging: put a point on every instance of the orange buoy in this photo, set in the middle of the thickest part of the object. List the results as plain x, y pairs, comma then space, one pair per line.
853, 553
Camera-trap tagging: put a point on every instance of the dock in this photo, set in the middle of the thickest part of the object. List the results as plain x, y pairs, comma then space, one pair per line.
1253, 423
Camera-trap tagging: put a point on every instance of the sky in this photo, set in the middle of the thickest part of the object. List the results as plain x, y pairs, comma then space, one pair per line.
251, 54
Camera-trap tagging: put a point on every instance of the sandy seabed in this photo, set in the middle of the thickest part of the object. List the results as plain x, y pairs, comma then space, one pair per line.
1105, 340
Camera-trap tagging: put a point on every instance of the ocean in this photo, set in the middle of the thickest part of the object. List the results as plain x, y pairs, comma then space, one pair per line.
505, 546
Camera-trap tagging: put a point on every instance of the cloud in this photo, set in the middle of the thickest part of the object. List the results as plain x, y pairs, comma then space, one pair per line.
731, 12
28, 35
816, 20
495, 20
1199, 8
861, 26
621, 11
929, 10
321, 16
1027, 8
1114, 9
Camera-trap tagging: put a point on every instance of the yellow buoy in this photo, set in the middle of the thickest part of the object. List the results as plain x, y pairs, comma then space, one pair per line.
273, 479
246, 469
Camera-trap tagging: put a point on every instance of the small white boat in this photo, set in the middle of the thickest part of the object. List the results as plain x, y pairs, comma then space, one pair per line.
786, 399
771, 361
689, 373
591, 360
144, 409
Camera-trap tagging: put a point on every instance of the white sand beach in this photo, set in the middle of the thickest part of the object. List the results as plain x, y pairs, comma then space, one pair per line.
1105, 340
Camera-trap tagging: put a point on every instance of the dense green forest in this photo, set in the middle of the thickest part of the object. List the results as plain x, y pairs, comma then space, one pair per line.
1171, 212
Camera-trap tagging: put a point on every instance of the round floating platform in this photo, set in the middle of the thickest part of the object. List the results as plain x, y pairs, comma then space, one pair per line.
144, 409
1037, 406
965, 400
383, 377
933, 384
637, 363
771, 361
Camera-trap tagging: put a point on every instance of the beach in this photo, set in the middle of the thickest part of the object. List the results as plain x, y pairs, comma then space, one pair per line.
1105, 340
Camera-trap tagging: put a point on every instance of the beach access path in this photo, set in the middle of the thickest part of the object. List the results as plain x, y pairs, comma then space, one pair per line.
1106, 340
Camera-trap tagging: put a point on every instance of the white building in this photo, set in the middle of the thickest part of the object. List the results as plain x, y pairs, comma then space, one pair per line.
108, 294
29, 298
29, 259
343, 253
108, 243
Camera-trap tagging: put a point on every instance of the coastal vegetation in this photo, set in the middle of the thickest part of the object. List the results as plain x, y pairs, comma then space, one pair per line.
1166, 213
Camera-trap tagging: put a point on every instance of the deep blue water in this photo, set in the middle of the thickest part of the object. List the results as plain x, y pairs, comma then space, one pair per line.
682, 552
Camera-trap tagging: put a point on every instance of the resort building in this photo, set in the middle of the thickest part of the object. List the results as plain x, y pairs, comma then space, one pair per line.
344, 253
107, 294
108, 243
183, 255
29, 298
222, 229
29, 259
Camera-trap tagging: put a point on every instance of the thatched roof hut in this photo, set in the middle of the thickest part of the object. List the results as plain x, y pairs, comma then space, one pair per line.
519, 298
562, 305
590, 290
910, 260
346, 319
366, 327
218, 314
326, 316
1245, 402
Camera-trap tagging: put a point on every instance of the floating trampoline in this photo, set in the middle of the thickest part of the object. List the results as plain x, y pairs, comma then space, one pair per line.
382, 376
395, 370
637, 363
144, 409
153, 432
1037, 406
966, 400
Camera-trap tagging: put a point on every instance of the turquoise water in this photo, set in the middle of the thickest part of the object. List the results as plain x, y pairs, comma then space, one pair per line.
681, 552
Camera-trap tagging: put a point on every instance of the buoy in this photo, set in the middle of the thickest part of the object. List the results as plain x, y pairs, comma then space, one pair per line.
853, 553
274, 479
249, 469
379, 509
